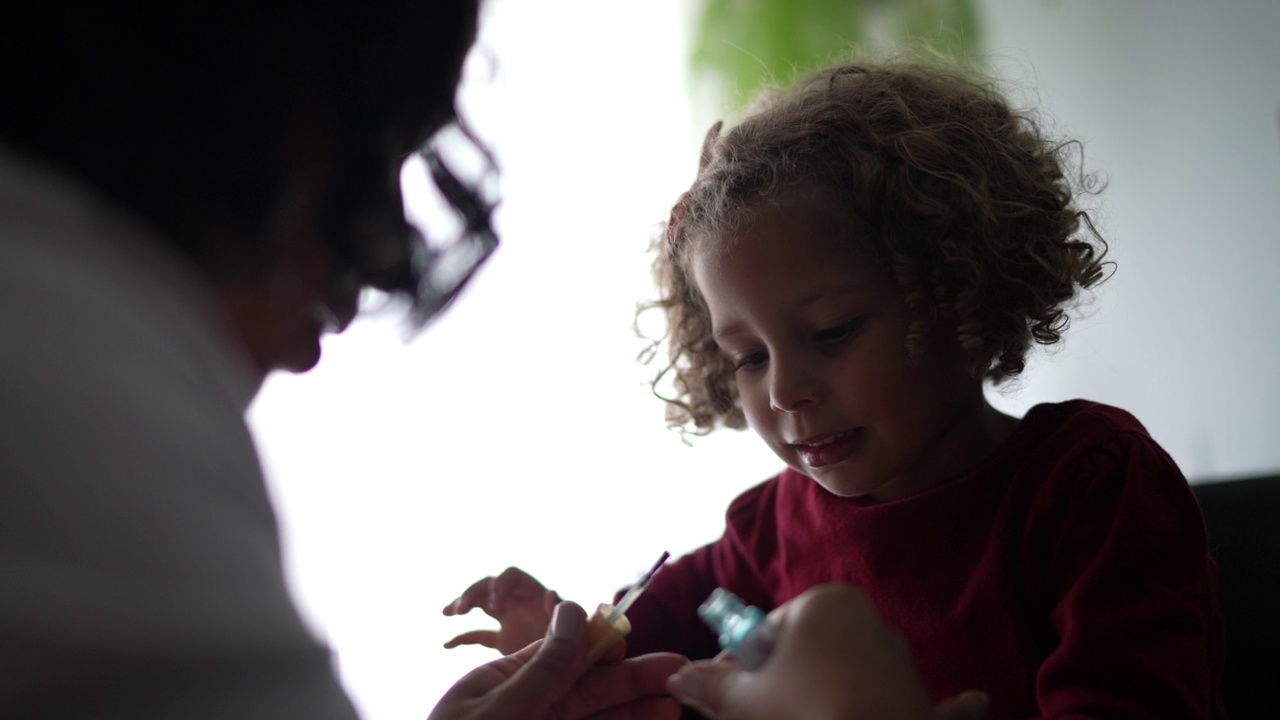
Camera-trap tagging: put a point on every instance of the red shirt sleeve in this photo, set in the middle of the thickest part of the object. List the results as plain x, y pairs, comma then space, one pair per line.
665, 617
1127, 583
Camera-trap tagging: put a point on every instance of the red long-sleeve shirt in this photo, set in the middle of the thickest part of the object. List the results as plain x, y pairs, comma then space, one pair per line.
1067, 574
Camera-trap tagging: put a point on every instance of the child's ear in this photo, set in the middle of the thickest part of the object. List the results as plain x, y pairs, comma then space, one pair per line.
709, 145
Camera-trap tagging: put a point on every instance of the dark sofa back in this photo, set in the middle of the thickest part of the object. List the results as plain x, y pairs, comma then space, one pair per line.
1241, 517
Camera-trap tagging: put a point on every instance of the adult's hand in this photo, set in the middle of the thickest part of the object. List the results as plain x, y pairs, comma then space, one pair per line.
835, 658
550, 679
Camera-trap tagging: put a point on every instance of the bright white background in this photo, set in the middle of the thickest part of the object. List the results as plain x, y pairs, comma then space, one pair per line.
518, 429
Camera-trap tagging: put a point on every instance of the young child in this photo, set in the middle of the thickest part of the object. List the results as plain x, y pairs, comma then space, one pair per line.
855, 259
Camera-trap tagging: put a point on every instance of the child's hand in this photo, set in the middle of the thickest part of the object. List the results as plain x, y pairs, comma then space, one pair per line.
520, 604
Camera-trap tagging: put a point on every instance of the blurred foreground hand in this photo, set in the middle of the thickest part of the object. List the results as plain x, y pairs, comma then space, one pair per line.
835, 658
550, 679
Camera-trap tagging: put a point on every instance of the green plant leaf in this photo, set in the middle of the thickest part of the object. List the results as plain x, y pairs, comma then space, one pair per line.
739, 46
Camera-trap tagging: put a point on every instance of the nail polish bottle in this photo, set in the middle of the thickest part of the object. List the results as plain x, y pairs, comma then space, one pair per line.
742, 628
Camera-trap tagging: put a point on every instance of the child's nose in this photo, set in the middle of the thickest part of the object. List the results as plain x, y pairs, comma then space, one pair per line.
792, 386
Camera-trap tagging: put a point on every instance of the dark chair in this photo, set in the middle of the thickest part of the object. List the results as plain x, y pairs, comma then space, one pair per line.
1241, 516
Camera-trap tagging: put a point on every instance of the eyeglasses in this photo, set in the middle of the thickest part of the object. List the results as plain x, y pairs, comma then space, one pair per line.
444, 268
428, 246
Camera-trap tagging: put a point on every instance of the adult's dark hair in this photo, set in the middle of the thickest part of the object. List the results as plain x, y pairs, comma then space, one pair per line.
182, 112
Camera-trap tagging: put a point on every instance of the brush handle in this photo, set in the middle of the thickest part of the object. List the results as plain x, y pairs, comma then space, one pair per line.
602, 634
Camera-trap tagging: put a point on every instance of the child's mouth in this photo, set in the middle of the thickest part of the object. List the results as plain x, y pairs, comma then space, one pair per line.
829, 450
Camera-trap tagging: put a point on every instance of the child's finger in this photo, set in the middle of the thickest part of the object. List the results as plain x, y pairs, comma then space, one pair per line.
515, 583
476, 596
709, 146
968, 705
487, 638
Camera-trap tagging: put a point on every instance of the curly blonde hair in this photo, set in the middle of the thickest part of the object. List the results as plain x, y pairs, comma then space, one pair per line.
963, 200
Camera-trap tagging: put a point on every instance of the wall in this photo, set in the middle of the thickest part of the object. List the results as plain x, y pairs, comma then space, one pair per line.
1178, 105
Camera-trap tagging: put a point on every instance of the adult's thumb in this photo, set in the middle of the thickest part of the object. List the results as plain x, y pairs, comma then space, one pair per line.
554, 668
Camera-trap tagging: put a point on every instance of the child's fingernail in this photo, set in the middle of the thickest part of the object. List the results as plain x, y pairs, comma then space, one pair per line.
565, 622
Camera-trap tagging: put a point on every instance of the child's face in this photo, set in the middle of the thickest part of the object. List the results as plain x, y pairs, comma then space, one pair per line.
817, 332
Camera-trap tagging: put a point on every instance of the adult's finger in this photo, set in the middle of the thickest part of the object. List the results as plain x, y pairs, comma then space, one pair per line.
623, 687
653, 708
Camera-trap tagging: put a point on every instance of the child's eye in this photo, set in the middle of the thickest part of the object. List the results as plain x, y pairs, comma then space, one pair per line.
839, 332
750, 361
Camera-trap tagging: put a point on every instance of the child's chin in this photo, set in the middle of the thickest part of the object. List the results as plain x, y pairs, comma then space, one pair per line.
842, 488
